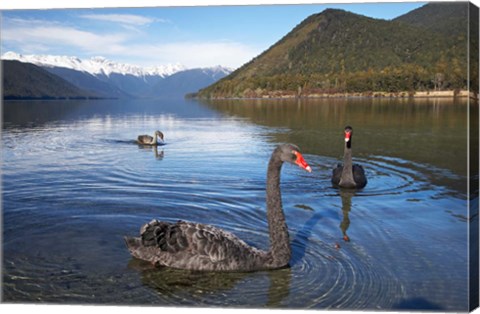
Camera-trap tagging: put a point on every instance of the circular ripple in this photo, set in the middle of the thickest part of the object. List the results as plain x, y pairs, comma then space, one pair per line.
330, 276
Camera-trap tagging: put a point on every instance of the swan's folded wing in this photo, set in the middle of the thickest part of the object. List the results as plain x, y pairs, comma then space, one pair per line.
337, 174
193, 239
144, 139
359, 176
166, 236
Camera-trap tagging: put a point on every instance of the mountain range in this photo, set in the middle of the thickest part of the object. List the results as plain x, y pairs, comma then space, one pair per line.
336, 51
101, 78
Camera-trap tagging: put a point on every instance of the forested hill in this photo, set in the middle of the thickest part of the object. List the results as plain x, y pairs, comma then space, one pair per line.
338, 51
448, 18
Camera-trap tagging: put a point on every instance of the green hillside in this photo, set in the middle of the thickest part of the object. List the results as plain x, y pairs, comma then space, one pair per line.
28, 81
338, 51
446, 18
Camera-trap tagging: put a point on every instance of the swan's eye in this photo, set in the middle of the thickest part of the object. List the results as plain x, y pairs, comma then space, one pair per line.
294, 155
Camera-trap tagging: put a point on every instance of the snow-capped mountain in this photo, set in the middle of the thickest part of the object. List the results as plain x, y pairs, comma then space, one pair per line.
95, 66
107, 78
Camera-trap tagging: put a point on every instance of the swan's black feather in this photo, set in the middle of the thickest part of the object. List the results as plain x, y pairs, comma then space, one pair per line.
145, 139
337, 174
194, 246
359, 176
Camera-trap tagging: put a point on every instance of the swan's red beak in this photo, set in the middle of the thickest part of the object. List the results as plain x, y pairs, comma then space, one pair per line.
347, 136
300, 161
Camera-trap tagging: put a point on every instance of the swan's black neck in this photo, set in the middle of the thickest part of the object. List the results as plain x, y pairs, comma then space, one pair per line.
347, 174
280, 251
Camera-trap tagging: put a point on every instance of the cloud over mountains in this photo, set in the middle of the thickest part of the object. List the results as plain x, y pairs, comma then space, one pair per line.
125, 37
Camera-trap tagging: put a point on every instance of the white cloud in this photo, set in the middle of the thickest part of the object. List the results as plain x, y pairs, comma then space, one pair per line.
32, 33
64, 36
197, 54
128, 19
122, 46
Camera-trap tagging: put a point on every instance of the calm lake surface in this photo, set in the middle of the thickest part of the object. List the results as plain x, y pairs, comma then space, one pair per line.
74, 183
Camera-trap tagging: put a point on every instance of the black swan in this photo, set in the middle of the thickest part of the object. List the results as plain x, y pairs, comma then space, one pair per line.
194, 246
349, 175
149, 140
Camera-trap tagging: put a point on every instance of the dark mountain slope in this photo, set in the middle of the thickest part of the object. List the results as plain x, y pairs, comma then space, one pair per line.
88, 82
446, 18
28, 81
185, 82
138, 87
456, 21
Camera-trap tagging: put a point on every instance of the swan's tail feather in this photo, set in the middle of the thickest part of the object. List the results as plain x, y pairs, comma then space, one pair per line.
140, 251
134, 245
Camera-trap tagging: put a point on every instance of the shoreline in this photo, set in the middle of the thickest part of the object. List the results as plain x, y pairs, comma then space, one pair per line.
422, 94
418, 94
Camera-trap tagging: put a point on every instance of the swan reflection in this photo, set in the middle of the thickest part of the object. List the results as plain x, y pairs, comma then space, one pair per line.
158, 154
178, 286
346, 197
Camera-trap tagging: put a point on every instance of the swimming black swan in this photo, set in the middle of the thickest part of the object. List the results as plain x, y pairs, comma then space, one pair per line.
349, 175
195, 246
149, 140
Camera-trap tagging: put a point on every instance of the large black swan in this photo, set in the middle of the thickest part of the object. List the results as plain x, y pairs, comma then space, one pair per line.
349, 175
150, 140
194, 246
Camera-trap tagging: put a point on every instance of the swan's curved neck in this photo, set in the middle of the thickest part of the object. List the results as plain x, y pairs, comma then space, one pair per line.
155, 138
280, 251
347, 173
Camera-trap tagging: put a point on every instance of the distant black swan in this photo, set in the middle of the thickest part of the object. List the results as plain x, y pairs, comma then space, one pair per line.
195, 246
349, 175
149, 140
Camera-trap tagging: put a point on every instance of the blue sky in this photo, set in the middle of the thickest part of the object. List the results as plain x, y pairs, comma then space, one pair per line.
193, 36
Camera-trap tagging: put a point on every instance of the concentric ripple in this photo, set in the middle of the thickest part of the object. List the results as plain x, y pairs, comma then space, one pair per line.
343, 277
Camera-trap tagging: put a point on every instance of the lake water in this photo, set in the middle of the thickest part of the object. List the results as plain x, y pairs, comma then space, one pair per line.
74, 183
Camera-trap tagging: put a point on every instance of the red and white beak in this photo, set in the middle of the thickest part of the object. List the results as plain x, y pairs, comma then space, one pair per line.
348, 134
300, 161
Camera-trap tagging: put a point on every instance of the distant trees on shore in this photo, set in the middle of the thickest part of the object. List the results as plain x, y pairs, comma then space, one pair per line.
404, 78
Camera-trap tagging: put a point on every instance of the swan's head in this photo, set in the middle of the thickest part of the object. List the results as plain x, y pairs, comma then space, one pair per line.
160, 134
348, 133
291, 153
